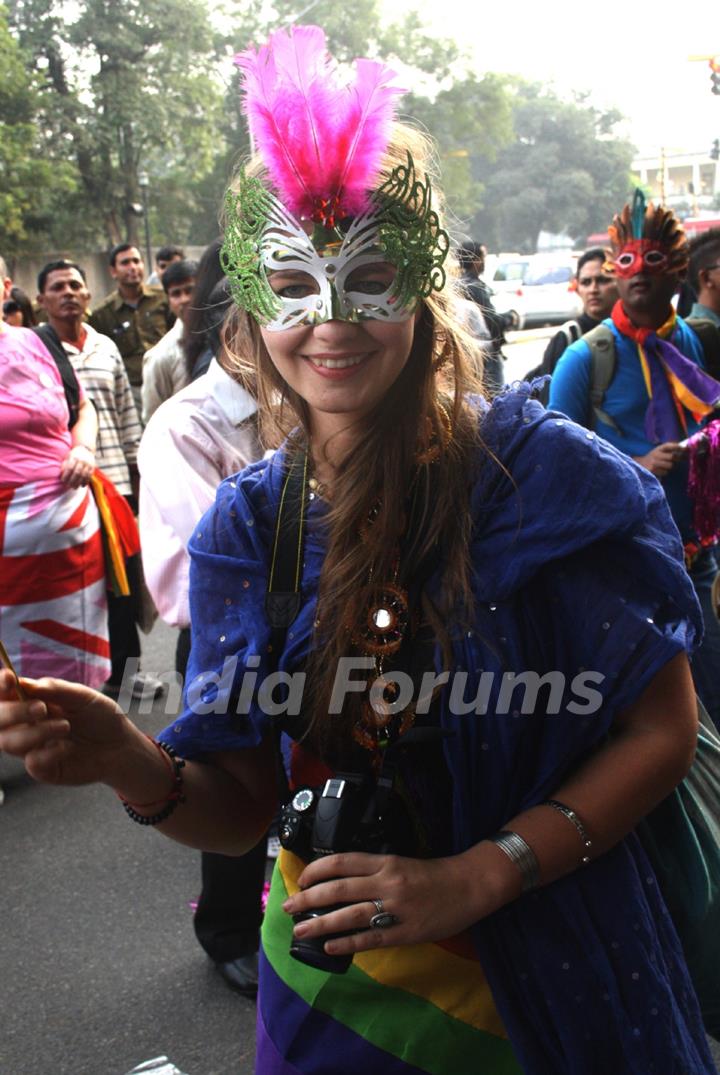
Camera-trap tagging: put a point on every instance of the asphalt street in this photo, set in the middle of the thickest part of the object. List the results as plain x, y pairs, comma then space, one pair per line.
100, 969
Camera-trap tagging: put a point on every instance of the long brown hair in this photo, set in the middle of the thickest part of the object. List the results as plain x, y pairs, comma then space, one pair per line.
427, 402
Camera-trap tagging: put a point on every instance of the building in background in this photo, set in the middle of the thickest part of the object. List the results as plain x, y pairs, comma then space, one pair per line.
682, 180
687, 182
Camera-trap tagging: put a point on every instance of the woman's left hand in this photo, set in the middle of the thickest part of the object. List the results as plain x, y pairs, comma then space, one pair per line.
77, 466
430, 899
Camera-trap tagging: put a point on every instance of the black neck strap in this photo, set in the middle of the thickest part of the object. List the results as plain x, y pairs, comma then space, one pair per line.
282, 599
282, 604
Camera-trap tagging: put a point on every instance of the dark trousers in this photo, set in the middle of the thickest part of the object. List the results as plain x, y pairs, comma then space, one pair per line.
122, 624
228, 916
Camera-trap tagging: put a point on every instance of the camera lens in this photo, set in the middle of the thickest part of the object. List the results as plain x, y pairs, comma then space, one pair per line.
310, 950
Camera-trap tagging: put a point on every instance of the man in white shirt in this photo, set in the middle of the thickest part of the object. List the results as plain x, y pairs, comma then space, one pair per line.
200, 436
164, 366
193, 441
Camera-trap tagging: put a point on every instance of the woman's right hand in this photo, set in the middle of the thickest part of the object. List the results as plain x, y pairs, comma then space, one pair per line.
65, 733
77, 466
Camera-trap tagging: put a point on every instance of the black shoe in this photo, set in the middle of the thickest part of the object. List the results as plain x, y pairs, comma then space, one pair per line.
241, 974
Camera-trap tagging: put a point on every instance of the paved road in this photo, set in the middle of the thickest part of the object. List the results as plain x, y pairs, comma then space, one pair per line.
100, 968
524, 351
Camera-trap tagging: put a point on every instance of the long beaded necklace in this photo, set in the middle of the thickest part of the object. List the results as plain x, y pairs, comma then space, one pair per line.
381, 632
380, 635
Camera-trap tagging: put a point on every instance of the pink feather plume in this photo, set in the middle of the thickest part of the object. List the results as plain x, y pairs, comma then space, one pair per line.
321, 138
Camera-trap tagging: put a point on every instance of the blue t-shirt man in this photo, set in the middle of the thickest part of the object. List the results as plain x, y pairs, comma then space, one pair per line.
626, 401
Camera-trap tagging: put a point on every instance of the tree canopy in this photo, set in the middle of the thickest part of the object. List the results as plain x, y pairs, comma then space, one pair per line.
115, 90
564, 171
29, 183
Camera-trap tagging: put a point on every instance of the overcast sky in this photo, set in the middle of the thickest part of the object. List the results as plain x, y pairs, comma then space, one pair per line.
628, 54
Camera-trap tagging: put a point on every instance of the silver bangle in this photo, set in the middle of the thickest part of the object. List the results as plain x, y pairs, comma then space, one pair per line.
521, 854
573, 818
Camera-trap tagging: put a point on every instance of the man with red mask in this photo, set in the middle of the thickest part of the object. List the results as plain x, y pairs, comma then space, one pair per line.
655, 391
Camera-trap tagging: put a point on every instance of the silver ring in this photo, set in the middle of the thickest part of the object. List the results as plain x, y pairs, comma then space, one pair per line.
378, 905
383, 920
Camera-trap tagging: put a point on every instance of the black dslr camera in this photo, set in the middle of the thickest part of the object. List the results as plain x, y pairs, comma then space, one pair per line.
342, 816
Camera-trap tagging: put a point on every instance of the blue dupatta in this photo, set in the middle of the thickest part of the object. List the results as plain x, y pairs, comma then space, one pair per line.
577, 566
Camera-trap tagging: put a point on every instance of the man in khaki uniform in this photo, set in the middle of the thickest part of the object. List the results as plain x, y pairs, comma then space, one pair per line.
135, 316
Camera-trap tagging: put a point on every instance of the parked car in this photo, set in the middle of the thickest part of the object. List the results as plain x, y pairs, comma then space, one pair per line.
545, 293
509, 271
506, 284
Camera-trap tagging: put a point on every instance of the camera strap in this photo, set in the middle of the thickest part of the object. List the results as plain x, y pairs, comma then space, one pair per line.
282, 604
282, 597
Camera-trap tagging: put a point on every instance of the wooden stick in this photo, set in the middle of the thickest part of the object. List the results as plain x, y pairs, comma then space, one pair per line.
5, 659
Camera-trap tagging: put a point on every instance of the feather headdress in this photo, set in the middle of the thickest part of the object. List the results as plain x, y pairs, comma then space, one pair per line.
653, 222
320, 136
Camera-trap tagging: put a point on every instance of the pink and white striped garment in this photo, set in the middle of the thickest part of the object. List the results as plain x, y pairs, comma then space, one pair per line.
53, 605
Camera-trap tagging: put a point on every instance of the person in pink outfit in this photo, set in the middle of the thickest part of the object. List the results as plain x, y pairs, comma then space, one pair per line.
53, 613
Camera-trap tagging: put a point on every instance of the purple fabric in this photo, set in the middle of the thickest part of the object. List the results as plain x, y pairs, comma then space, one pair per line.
316, 1042
268, 1060
662, 422
704, 482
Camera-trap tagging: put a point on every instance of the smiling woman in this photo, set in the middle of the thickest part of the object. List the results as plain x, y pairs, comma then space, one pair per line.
360, 366
341, 369
453, 876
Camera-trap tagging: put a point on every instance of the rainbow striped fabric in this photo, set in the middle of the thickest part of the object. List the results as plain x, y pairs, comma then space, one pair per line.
397, 1011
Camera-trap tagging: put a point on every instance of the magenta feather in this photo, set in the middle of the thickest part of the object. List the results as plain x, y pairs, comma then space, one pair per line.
321, 138
372, 108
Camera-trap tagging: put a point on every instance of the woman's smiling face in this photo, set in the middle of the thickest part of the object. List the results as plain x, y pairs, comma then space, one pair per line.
340, 367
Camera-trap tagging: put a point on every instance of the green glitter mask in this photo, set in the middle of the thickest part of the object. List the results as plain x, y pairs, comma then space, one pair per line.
376, 266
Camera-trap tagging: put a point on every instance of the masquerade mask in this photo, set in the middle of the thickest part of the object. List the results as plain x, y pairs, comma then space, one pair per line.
641, 255
376, 247
646, 239
387, 258
348, 278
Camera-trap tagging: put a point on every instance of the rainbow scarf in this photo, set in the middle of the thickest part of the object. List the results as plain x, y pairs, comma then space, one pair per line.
120, 535
674, 382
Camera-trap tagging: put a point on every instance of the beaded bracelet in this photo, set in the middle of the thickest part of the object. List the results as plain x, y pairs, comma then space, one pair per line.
176, 795
572, 817
521, 854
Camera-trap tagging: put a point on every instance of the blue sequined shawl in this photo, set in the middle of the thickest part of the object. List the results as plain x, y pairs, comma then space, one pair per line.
577, 566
